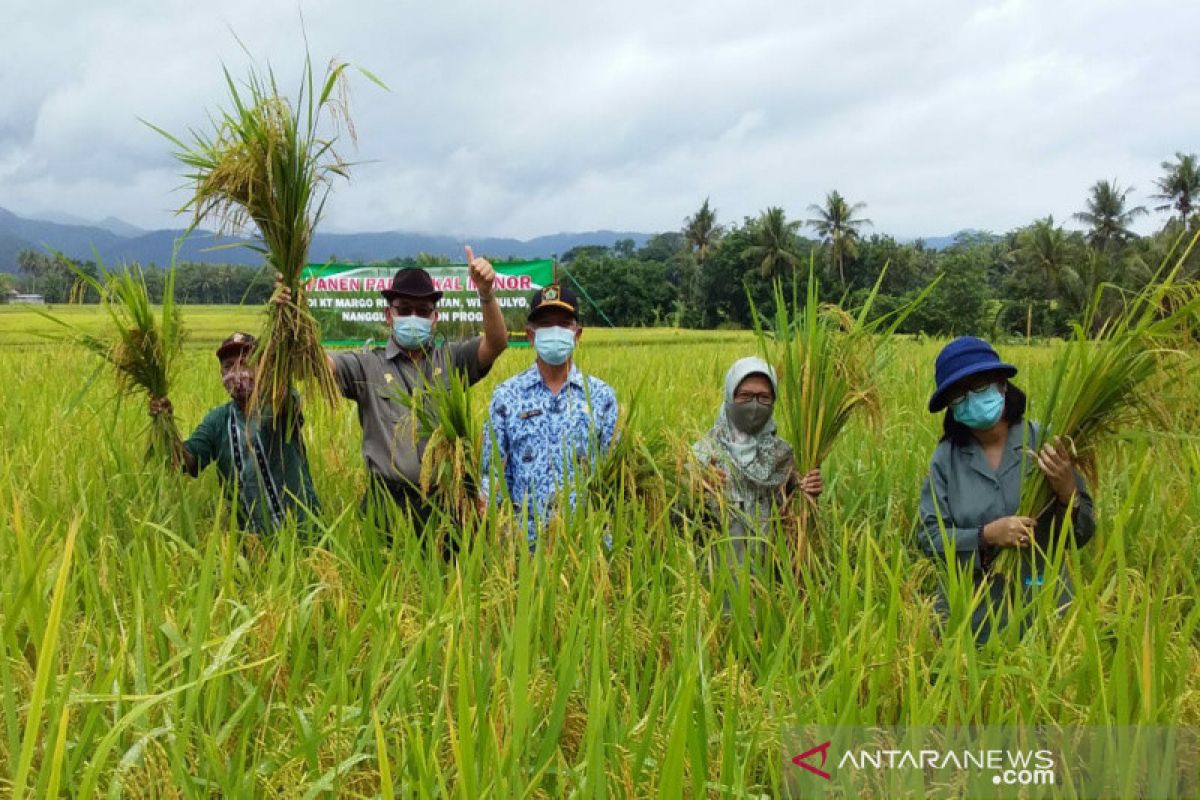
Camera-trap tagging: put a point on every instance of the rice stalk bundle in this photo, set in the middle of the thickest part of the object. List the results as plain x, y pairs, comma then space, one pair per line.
270, 163
144, 348
440, 414
630, 468
1111, 382
1104, 385
827, 362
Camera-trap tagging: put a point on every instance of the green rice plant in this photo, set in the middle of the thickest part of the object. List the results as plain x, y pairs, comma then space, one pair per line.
270, 162
46, 652
193, 660
144, 347
440, 413
828, 363
1107, 383
1110, 382
634, 468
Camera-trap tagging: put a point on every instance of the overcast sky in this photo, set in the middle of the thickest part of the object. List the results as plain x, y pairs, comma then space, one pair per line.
525, 118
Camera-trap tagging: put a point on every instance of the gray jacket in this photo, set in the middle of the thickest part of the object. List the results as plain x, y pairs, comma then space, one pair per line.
962, 492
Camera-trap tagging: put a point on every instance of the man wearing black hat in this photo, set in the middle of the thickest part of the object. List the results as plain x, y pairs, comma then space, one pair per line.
374, 380
264, 470
549, 417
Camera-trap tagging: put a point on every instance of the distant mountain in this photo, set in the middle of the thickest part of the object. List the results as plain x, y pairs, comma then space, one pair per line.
61, 217
111, 224
942, 242
120, 227
77, 241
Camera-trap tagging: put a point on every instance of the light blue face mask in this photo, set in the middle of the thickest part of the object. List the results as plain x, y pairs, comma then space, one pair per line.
412, 331
554, 345
980, 409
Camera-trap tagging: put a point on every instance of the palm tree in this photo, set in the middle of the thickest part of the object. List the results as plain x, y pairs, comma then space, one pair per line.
836, 225
1180, 187
774, 242
702, 231
1107, 216
1046, 248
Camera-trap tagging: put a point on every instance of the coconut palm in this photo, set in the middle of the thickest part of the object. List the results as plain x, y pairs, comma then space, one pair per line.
837, 226
702, 231
1180, 186
774, 242
1046, 248
1107, 216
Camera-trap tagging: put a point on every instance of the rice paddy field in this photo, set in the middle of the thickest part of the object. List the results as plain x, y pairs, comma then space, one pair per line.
149, 649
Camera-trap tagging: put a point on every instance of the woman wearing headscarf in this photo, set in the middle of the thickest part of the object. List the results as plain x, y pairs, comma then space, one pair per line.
755, 472
970, 499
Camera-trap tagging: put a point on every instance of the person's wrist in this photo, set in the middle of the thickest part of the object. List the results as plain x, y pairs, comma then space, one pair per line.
487, 297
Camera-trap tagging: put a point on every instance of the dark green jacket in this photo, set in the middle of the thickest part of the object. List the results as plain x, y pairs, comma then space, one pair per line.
263, 469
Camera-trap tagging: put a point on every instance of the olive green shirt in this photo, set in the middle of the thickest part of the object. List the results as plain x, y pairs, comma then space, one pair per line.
375, 379
267, 477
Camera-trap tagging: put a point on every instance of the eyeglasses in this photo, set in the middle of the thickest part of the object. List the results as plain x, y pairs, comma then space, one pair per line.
762, 398
407, 309
957, 399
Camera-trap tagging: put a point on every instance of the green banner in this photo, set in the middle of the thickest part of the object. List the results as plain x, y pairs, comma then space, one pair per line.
346, 300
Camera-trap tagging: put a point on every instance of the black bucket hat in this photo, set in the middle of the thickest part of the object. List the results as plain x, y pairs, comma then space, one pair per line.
412, 282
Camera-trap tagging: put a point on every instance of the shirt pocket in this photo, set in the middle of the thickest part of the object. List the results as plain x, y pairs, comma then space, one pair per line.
529, 434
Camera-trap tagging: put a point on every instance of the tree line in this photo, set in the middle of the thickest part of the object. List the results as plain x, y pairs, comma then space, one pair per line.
1036, 280
1033, 281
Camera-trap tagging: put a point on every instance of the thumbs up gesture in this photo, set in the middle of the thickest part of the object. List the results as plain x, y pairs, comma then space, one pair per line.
482, 274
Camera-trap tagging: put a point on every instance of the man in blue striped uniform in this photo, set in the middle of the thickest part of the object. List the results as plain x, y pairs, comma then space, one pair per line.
549, 418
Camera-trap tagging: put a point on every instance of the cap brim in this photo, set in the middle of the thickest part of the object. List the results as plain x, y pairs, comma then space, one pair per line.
388, 294
233, 347
938, 400
552, 305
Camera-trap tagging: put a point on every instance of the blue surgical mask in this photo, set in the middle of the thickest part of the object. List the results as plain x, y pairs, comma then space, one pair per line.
554, 345
980, 409
412, 331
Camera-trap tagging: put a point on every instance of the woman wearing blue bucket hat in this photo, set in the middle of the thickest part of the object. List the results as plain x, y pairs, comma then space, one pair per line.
970, 498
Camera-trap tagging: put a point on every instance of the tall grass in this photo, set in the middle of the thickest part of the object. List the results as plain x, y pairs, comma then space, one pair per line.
191, 660
269, 162
828, 362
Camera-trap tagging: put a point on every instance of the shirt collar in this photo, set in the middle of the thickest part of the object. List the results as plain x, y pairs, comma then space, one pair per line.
1012, 456
392, 350
533, 376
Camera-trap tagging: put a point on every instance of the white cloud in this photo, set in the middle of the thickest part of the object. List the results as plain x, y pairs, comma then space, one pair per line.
534, 117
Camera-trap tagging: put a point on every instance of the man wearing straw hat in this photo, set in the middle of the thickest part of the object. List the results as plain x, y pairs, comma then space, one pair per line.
379, 379
263, 467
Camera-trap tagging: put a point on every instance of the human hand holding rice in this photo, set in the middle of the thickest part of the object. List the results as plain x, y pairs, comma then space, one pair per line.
1054, 461
1013, 531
